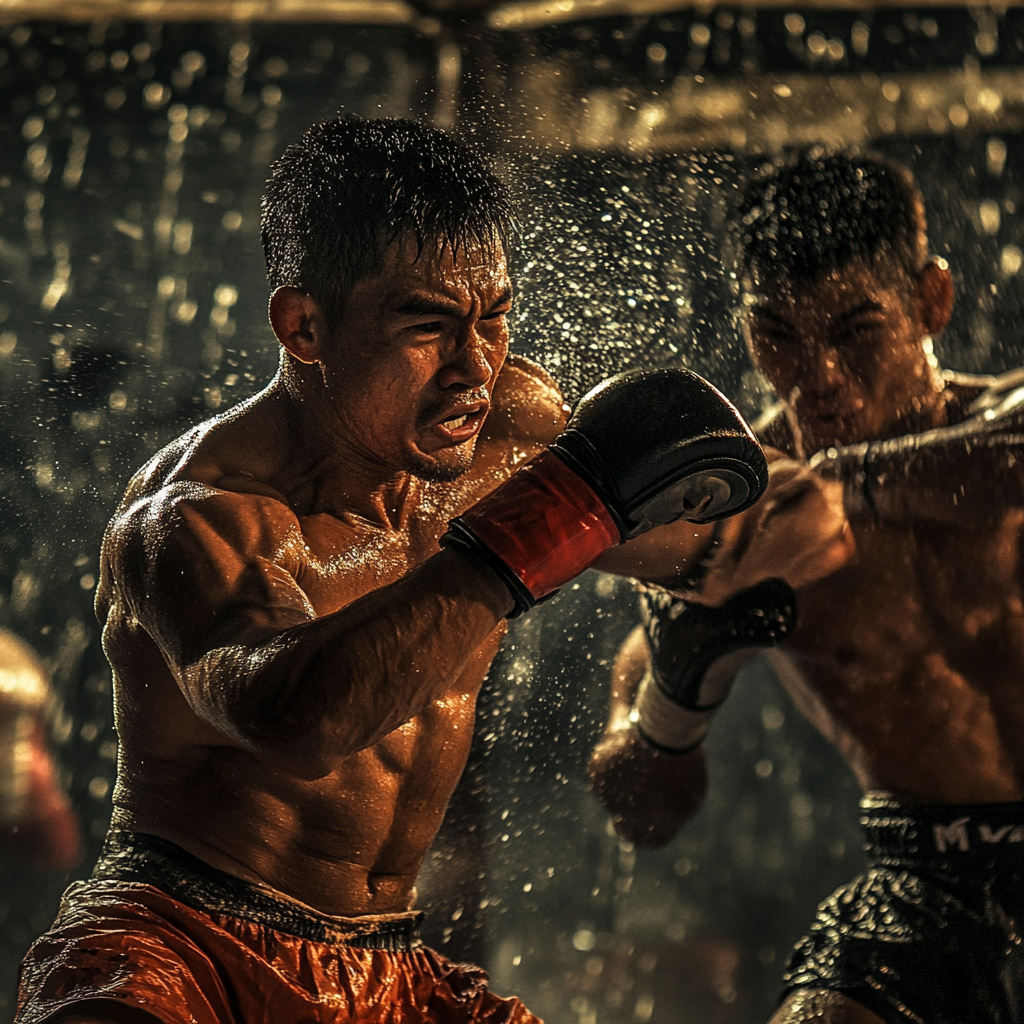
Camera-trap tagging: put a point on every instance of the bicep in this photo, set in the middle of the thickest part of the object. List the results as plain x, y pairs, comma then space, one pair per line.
201, 573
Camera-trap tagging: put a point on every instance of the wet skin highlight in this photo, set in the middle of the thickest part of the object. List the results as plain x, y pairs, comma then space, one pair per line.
271, 723
296, 662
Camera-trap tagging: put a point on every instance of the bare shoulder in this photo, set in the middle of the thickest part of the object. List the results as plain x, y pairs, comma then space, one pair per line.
187, 479
528, 407
182, 516
243, 450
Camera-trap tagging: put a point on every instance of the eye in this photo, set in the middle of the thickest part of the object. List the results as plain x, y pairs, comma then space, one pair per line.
861, 329
433, 327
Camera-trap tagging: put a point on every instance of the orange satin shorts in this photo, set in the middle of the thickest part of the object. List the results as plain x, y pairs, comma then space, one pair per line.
117, 941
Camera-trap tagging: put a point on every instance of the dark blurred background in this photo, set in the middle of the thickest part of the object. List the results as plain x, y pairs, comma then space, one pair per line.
132, 305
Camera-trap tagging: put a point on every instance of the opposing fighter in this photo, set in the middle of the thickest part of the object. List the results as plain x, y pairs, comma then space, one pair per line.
908, 656
301, 597
37, 824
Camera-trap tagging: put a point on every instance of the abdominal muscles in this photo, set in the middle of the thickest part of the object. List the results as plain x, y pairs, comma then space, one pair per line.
890, 665
349, 843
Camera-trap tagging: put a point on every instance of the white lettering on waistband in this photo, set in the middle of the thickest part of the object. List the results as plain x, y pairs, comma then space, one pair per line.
953, 834
990, 836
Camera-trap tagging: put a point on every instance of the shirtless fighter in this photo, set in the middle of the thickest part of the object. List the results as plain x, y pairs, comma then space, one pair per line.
909, 656
301, 597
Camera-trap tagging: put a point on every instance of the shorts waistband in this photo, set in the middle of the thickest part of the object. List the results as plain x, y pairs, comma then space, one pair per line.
956, 833
140, 857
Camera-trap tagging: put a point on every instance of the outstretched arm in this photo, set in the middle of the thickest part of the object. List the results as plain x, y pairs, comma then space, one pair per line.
215, 577
649, 794
968, 475
796, 532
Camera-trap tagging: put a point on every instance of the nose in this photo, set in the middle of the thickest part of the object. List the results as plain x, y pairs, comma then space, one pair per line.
469, 366
823, 373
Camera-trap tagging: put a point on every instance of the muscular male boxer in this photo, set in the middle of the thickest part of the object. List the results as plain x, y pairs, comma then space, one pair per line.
909, 657
301, 597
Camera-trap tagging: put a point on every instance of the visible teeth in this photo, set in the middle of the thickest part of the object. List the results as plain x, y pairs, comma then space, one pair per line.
456, 423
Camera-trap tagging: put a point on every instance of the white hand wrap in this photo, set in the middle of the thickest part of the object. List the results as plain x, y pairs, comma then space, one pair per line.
694, 654
667, 724
664, 723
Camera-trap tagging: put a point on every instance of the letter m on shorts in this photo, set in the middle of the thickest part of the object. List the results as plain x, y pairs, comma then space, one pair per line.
953, 834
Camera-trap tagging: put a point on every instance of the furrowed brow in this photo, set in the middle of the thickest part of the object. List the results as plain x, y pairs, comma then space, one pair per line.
505, 296
425, 305
868, 306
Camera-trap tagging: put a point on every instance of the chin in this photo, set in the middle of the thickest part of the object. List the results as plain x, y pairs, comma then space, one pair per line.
452, 466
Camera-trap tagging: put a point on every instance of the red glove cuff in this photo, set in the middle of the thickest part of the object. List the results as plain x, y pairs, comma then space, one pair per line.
545, 523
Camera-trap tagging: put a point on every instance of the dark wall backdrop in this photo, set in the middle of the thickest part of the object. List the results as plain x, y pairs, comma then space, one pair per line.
132, 305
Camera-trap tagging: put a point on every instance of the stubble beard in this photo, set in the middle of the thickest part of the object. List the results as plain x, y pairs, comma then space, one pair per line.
446, 471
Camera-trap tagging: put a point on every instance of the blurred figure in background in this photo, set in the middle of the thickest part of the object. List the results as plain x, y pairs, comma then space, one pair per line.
37, 825
909, 647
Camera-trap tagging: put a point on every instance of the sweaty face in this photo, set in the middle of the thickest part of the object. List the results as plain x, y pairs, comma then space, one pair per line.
416, 357
845, 352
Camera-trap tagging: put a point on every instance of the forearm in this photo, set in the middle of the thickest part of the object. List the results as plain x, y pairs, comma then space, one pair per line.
323, 690
676, 556
945, 477
676, 671
649, 794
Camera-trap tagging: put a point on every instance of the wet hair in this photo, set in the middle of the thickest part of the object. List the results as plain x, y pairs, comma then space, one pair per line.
337, 199
820, 211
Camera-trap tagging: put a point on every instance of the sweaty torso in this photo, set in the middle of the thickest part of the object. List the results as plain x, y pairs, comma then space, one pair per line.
350, 842
909, 659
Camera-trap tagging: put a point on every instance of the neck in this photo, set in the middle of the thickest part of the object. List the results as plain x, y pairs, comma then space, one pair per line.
327, 470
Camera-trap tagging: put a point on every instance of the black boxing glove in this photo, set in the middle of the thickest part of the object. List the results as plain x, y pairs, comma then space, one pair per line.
695, 653
642, 449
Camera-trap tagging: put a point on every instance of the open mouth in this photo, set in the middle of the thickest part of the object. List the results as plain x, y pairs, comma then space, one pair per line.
460, 425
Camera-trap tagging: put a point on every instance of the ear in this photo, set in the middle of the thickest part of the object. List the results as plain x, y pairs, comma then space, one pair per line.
298, 322
935, 296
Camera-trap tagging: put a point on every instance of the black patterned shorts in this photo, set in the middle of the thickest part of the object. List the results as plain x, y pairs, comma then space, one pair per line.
931, 933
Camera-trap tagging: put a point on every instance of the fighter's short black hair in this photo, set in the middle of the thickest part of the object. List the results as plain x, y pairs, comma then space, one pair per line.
819, 211
338, 198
